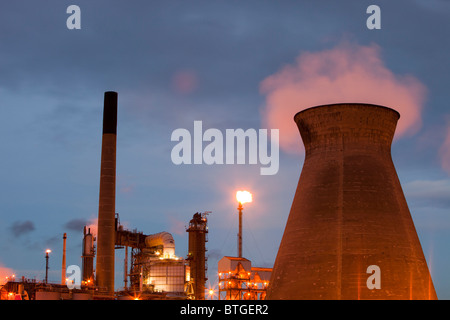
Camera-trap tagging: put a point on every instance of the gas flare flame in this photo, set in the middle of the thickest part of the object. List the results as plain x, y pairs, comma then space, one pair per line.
244, 197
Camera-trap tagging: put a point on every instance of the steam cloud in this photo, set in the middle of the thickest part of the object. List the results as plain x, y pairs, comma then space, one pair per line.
444, 152
5, 272
185, 81
93, 225
345, 73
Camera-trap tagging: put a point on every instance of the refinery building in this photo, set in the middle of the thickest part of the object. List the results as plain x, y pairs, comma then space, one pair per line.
152, 271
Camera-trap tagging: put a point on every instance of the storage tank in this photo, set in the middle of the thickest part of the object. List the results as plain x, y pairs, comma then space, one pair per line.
164, 240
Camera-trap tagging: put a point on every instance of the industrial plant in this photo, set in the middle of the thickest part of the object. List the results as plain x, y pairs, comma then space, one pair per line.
155, 272
348, 216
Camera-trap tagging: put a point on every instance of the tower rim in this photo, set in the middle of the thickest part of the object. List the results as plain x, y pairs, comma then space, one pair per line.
365, 104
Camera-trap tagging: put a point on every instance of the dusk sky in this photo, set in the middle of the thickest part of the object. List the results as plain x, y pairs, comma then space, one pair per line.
230, 64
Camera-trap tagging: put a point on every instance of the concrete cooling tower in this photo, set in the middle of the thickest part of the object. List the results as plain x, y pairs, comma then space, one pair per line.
349, 234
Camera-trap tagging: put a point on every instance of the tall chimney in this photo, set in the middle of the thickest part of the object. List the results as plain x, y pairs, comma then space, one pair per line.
63, 267
349, 234
106, 209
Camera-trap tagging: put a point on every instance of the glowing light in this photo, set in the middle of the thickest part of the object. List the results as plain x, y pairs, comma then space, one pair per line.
243, 197
48, 251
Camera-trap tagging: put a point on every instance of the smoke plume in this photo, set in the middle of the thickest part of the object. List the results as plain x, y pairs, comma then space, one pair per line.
20, 228
345, 73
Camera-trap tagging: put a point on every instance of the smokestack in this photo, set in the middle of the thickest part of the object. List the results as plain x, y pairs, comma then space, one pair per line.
106, 210
349, 234
63, 267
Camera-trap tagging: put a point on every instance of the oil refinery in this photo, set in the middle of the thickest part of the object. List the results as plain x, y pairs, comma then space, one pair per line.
154, 271
348, 216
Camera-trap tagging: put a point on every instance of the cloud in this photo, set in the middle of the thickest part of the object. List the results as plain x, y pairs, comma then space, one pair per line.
430, 193
176, 226
444, 152
345, 73
185, 81
21, 228
76, 224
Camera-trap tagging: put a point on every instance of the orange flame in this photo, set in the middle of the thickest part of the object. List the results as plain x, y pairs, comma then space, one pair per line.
244, 196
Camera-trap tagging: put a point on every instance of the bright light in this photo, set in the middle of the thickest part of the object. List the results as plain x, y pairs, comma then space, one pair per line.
243, 197
211, 292
48, 251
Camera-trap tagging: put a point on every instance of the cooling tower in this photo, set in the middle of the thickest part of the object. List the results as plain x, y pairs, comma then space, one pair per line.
106, 210
349, 234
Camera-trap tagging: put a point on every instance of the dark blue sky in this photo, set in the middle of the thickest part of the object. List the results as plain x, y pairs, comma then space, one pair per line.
173, 62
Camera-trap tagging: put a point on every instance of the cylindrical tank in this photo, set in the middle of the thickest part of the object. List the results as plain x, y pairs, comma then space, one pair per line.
88, 255
349, 234
164, 239
88, 244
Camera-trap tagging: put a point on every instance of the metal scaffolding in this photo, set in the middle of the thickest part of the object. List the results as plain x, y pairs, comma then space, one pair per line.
238, 280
